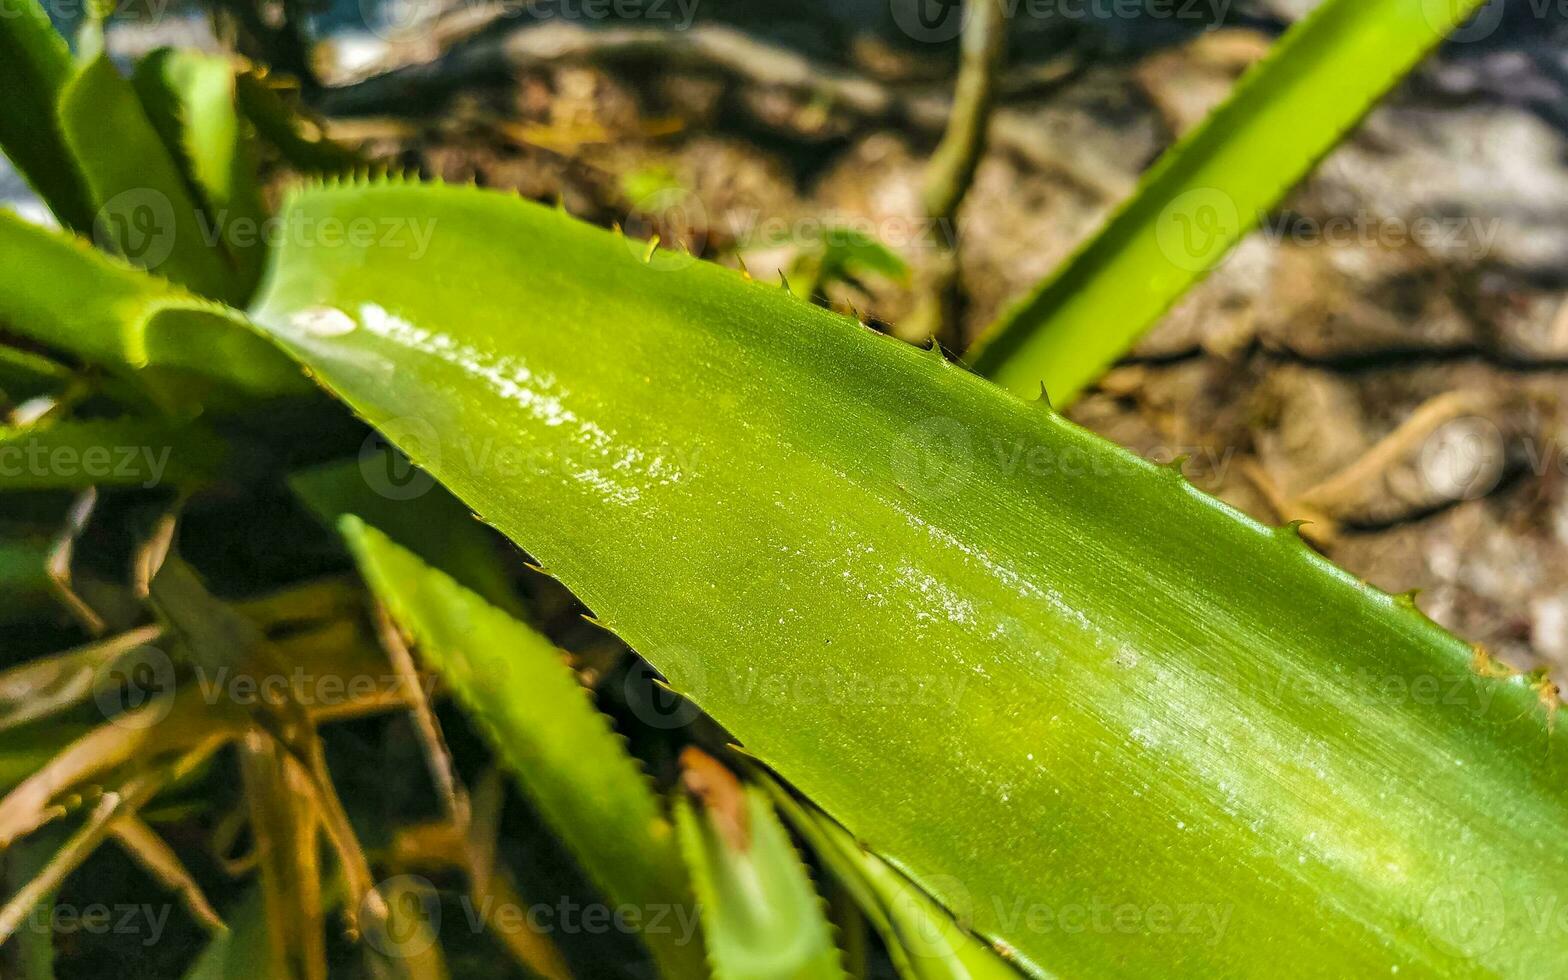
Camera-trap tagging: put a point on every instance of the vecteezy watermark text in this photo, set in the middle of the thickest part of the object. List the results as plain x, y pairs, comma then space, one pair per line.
938, 21
145, 920
141, 225
36, 459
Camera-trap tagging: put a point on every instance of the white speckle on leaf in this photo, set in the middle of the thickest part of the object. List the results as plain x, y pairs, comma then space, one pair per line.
323, 321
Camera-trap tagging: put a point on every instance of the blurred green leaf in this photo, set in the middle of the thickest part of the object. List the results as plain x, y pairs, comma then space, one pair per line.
35, 65
241, 952
297, 139
922, 938
25, 750
191, 102
381, 489
25, 375
546, 731
761, 914
143, 208
843, 253
35, 938
1209, 190
61, 293
24, 576
123, 452
650, 182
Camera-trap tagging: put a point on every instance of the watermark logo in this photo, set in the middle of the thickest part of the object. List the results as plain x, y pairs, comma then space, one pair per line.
1478, 27
1469, 912
930, 21
412, 918
1197, 228
136, 690
667, 229
940, 21
384, 458
929, 937
138, 224
406, 20
653, 703
933, 455
1464, 458
399, 20
144, 923
34, 457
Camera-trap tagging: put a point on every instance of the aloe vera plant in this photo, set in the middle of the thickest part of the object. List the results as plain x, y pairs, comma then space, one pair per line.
1075, 647
1038, 706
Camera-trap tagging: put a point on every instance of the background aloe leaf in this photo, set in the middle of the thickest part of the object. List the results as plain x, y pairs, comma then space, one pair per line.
142, 206
1210, 189
24, 578
563, 752
381, 489
191, 102
762, 916
923, 939
24, 375
35, 64
127, 452
1031, 670
843, 252
298, 140
35, 938
63, 294
242, 950
26, 750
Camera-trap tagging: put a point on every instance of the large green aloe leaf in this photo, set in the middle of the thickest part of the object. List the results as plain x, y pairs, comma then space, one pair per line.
546, 731
1129, 730
60, 292
1210, 189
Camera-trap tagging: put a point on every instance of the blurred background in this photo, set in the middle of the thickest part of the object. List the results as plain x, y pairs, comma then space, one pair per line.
1387, 356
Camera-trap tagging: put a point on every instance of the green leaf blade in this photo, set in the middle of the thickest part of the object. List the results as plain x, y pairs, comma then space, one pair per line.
143, 207
413, 510
191, 101
1209, 189
525, 698
1032, 671
761, 913
923, 939
35, 65
122, 452
60, 292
